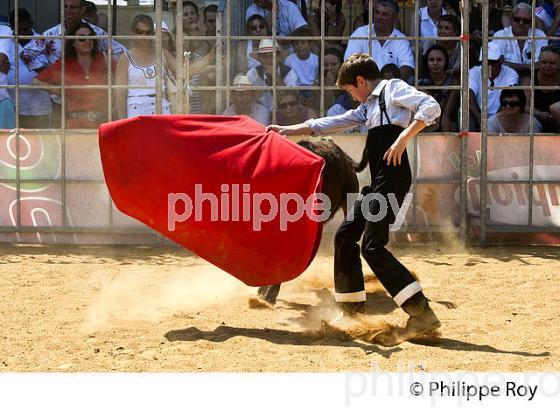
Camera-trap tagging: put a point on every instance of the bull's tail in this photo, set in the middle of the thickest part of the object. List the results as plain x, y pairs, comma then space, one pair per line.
359, 167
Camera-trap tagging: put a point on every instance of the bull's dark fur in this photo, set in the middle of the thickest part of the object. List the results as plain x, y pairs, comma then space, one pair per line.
339, 180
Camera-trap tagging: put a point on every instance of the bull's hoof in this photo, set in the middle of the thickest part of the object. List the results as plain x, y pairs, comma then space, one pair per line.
258, 303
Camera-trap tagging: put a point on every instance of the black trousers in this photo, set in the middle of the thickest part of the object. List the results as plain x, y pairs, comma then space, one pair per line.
386, 180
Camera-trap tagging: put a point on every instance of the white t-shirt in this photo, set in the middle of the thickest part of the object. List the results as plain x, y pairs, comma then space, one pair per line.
397, 52
508, 76
31, 102
306, 70
287, 13
258, 112
510, 48
428, 27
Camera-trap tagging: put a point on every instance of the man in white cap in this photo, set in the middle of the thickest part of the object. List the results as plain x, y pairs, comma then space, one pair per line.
261, 75
499, 75
243, 101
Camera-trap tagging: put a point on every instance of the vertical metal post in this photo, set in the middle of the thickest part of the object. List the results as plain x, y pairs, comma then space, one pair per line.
531, 117
484, 129
179, 63
463, 202
159, 58
63, 112
274, 58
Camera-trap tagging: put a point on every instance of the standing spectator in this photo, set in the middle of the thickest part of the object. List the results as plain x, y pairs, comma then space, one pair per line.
83, 65
90, 15
512, 118
384, 52
191, 27
548, 19
517, 52
499, 75
34, 105
41, 53
429, 16
436, 73
244, 101
335, 22
547, 102
256, 26
138, 67
331, 66
291, 110
7, 110
38, 54
262, 74
288, 16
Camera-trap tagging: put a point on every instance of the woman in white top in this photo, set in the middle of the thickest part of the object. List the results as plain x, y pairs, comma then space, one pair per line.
137, 67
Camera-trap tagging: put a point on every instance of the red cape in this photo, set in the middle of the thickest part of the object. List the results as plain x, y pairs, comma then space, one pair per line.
147, 158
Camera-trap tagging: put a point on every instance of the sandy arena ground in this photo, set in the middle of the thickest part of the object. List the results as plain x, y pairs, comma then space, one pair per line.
161, 309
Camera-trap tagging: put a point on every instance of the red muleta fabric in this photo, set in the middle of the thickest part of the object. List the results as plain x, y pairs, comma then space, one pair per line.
147, 158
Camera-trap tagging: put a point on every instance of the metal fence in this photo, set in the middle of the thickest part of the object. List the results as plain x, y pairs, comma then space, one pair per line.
448, 196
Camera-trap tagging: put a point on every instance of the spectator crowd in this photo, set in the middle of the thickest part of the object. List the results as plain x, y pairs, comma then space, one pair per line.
522, 51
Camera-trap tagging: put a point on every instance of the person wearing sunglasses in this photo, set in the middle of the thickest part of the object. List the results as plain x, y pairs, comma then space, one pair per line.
512, 118
84, 64
291, 111
518, 52
256, 26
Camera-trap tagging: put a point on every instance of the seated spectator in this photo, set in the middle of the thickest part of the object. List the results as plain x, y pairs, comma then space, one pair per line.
291, 111
262, 74
7, 109
512, 118
449, 26
499, 75
517, 52
342, 104
331, 66
335, 22
288, 16
256, 26
303, 62
83, 65
548, 19
429, 16
138, 67
34, 105
90, 14
244, 102
384, 52
547, 102
435, 72
363, 18
390, 71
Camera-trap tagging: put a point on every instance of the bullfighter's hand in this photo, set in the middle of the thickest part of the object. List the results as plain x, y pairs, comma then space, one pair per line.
395, 152
286, 130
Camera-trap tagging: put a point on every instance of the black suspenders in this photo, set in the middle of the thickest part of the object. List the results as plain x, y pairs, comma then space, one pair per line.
383, 107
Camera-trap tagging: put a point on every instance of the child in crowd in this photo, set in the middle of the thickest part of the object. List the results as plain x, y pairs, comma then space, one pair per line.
262, 74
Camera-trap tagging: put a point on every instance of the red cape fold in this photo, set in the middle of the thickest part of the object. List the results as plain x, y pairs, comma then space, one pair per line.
145, 159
